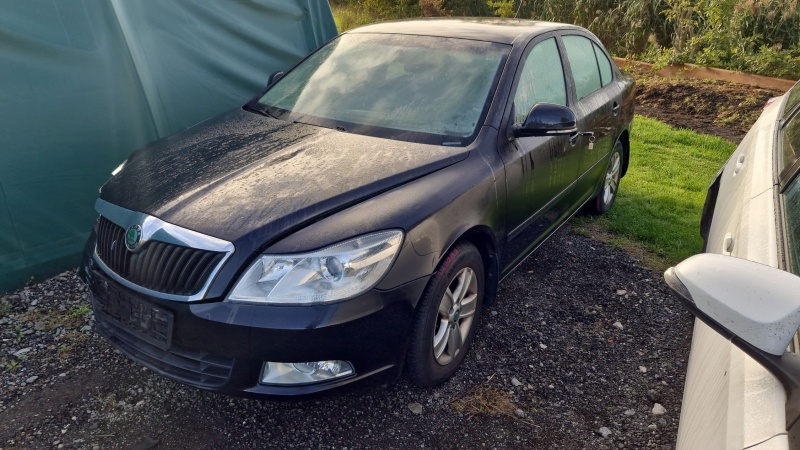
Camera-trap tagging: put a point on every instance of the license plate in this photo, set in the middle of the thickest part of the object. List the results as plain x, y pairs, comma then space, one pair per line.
148, 321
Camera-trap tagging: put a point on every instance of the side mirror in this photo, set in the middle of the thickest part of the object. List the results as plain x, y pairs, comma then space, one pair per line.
757, 307
756, 303
547, 119
275, 77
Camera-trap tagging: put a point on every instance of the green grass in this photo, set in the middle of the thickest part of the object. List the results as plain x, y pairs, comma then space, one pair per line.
661, 197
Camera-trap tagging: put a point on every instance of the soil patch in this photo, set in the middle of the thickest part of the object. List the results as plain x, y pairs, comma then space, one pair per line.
713, 107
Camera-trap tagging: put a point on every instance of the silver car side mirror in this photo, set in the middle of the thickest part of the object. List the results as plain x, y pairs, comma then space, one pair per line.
757, 303
757, 307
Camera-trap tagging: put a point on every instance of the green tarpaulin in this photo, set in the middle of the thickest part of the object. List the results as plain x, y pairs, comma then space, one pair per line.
84, 83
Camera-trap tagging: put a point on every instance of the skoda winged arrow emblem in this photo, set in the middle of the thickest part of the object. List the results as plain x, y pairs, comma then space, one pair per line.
133, 237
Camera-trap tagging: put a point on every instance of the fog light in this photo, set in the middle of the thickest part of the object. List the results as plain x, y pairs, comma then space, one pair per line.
304, 373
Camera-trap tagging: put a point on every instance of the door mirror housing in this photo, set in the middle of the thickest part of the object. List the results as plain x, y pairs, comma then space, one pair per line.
275, 77
758, 304
547, 119
756, 307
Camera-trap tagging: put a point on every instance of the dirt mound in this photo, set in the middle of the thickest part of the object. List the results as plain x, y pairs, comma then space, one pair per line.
707, 106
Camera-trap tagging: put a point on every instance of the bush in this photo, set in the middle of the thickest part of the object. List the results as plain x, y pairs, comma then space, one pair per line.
756, 36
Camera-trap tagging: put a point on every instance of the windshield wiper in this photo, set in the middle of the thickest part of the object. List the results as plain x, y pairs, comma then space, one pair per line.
263, 112
330, 127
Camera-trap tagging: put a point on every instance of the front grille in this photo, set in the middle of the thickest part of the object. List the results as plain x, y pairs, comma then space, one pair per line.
159, 266
191, 367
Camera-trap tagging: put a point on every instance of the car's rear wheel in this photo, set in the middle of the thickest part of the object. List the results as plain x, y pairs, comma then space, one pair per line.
608, 193
446, 317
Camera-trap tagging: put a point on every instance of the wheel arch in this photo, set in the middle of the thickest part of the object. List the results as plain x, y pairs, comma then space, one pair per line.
484, 240
624, 138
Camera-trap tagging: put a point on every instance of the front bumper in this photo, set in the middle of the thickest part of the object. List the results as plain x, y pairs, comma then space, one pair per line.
221, 346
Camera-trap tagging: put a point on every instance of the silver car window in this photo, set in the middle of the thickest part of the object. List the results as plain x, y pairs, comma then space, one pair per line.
793, 100
792, 204
790, 153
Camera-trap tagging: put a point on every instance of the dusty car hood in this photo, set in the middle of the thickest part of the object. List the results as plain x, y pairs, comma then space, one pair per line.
245, 176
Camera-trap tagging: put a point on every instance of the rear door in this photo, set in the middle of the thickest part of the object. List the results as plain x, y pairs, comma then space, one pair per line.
598, 101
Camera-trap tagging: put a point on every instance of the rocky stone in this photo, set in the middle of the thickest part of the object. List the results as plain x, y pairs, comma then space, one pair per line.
23, 351
659, 410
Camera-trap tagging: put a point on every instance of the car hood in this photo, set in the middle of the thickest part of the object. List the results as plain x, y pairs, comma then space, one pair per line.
243, 176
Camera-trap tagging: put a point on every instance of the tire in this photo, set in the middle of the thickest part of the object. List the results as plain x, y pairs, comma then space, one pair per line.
608, 191
434, 354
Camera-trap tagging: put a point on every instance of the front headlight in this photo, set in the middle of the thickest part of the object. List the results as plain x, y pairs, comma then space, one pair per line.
334, 273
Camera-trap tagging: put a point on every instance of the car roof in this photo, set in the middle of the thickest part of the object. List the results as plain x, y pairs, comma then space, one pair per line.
490, 29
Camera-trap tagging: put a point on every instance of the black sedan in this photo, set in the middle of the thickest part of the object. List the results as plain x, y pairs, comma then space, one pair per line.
354, 219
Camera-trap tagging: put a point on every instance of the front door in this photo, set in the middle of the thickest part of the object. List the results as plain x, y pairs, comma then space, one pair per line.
540, 171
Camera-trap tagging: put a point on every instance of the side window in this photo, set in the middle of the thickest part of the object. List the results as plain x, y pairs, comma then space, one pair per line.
541, 81
794, 98
791, 144
584, 65
792, 201
604, 64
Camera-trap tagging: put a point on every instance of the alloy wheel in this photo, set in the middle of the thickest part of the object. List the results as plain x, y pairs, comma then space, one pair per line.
455, 316
611, 183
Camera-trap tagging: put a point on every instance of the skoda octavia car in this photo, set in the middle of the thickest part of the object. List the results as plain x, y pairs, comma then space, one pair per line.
353, 220
741, 390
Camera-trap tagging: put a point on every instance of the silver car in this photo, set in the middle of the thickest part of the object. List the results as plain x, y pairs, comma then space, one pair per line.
743, 378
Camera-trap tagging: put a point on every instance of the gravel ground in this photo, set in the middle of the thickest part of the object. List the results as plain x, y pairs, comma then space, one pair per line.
584, 348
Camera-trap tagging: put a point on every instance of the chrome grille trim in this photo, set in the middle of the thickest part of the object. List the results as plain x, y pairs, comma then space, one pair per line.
156, 230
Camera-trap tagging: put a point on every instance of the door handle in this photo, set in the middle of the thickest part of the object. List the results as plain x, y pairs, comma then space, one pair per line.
573, 138
739, 164
615, 108
727, 244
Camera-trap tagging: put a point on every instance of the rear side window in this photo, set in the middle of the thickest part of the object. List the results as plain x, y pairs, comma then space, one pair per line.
604, 64
791, 146
583, 62
794, 98
541, 81
792, 202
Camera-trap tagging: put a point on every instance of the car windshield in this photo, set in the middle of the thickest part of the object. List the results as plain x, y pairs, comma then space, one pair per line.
415, 88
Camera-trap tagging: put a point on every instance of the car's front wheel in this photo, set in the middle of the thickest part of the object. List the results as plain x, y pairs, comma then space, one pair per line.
608, 193
446, 317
